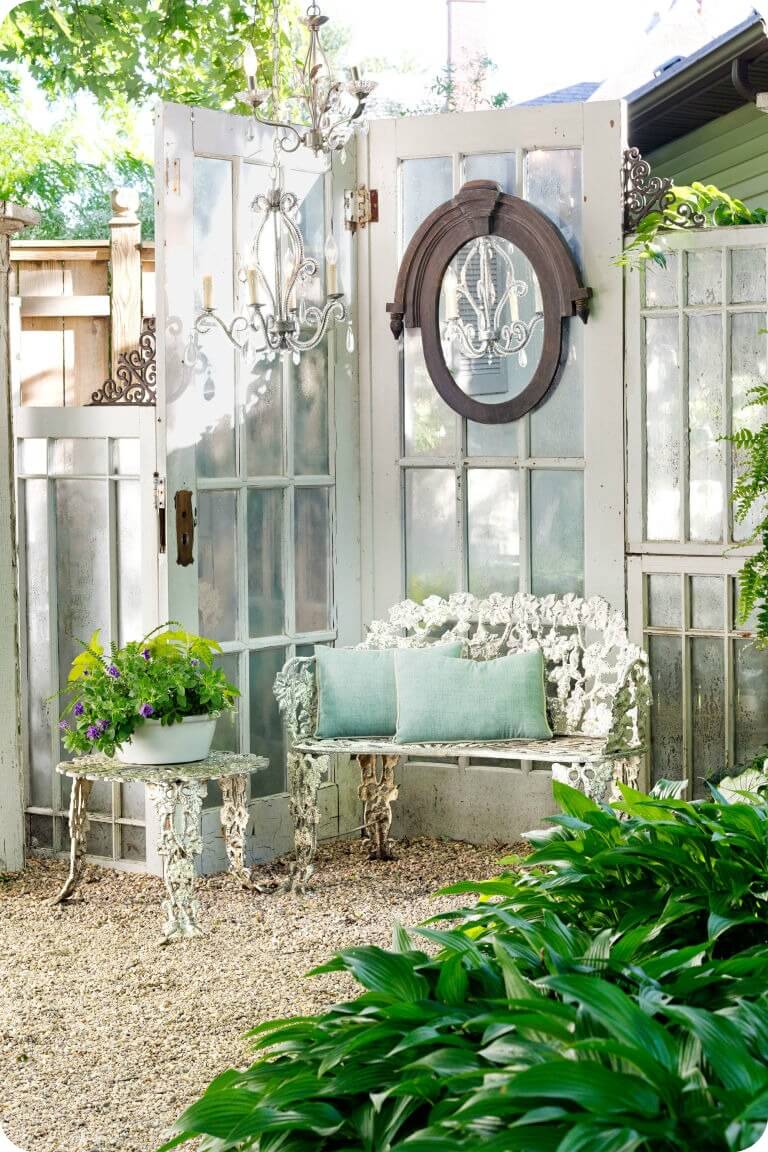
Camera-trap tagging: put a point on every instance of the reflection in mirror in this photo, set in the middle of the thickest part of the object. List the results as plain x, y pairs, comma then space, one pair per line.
492, 319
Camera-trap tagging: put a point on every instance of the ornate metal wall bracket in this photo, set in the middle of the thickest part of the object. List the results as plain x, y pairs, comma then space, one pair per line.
644, 193
135, 380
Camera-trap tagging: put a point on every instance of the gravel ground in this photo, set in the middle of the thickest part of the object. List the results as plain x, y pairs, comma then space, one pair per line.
105, 1036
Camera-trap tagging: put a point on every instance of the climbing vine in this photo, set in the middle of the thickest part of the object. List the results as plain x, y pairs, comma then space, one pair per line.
750, 494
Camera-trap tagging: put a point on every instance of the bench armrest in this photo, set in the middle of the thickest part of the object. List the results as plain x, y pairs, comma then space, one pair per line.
296, 694
631, 708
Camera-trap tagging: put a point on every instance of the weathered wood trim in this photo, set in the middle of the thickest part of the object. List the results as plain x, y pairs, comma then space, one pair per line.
65, 305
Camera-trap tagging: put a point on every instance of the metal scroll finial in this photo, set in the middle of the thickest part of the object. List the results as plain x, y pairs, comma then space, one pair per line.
644, 193
135, 380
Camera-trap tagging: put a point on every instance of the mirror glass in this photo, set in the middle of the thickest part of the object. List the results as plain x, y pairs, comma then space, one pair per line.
491, 319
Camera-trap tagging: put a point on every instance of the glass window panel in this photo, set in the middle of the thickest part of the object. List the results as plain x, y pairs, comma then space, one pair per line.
100, 800
493, 530
749, 367
661, 283
705, 276
126, 456
99, 834
430, 532
493, 439
429, 424
312, 559
133, 843
129, 585
553, 184
747, 275
226, 738
663, 429
81, 455
213, 389
750, 624
557, 426
751, 704
40, 832
665, 604
132, 800
309, 188
40, 713
217, 564
310, 412
666, 663
706, 426
33, 456
557, 532
424, 185
266, 723
266, 598
707, 710
263, 387
708, 602
498, 166
82, 566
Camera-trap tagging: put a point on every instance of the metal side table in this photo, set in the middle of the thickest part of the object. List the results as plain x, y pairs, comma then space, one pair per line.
178, 791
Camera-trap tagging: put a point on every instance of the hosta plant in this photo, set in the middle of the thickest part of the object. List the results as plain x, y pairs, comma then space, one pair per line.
605, 994
166, 676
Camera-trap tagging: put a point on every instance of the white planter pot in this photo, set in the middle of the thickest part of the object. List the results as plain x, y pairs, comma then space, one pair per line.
155, 743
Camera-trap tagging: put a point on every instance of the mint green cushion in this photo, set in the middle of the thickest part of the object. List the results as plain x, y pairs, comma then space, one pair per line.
356, 688
500, 699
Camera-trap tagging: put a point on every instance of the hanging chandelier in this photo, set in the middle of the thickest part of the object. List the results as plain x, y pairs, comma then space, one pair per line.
280, 312
327, 111
482, 315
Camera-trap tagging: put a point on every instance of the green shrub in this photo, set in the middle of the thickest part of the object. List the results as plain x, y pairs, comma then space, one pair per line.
606, 995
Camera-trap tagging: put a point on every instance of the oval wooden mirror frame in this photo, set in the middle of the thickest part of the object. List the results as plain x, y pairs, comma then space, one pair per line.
481, 209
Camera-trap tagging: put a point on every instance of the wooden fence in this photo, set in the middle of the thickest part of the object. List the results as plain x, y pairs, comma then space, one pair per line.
75, 305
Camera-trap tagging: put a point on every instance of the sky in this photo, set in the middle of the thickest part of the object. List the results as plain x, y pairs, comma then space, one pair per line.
541, 45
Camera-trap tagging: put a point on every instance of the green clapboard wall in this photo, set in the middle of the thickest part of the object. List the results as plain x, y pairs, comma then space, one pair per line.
731, 152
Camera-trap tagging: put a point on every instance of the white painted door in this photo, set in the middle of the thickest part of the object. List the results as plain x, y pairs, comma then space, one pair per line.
535, 505
269, 451
88, 551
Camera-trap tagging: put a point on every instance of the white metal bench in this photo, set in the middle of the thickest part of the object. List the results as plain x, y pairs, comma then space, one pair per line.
598, 698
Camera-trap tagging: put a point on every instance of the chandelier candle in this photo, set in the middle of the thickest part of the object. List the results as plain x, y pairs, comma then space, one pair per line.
207, 291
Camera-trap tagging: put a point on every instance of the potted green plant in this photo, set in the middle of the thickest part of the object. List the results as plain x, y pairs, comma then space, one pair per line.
153, 701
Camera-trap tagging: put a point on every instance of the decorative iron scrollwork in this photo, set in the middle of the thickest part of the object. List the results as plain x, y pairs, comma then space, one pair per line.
135, 380
643, 193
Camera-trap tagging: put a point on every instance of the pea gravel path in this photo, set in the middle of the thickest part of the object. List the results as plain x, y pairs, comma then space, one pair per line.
105, 1037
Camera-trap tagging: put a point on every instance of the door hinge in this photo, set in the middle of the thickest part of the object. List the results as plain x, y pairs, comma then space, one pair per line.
361, 207
159, 486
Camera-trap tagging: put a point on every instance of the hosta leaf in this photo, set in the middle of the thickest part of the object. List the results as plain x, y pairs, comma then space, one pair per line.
453, 982
588, 1086
591, 1138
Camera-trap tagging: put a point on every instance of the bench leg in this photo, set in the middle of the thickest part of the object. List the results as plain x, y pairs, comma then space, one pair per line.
594, 779
626, 772
305, 772
377, 793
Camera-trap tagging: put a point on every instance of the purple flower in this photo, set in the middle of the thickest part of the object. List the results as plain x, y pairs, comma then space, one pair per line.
146, 654
79, 708
63, 725
103, 725
93, 732
146, 711
113, 672
195, 662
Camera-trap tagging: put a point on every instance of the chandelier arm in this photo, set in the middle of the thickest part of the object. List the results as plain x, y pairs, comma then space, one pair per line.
203, 325
464, 336
281, 126
255, 243
334, 310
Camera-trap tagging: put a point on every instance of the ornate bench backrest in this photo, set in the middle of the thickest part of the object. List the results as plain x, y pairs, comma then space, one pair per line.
597, 681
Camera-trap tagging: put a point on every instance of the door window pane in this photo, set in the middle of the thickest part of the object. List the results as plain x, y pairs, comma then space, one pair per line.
81, 455
749, 367
227, 734
708, 602
430, 532
213, 386
265, 721
747, 275
310, 412
39, 686
751, 705
557, 532
130, 592
312, 545
557, 425
498, 166
217, 564
661, 283
553, 184
263, 414
424, 185
429, 424
666, 663
663, 429
707, 709
706, 427
493, 530
665, 604
705, 276
266, 599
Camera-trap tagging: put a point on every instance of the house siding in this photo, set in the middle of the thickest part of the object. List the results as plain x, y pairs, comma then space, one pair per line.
730, 152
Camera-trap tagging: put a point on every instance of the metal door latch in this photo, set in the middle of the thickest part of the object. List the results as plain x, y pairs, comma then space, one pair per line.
185, 527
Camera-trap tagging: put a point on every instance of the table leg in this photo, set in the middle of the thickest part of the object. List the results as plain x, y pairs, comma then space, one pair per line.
234, 824
377, 794
179, 806
78, 837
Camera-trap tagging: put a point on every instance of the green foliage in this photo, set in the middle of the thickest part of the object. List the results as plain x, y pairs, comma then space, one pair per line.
718, 208
166, 676
750, 494
606, 993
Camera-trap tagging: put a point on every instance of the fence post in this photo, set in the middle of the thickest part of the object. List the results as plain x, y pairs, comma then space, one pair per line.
125, 247
12, 219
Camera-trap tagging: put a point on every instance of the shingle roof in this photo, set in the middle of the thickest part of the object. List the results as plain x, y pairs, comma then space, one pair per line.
573, 94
